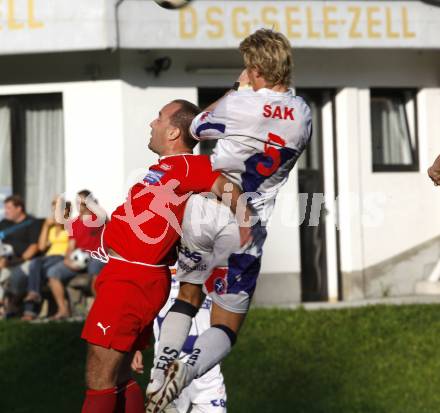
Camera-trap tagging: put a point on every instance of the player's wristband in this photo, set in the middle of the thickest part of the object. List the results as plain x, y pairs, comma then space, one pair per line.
236, 86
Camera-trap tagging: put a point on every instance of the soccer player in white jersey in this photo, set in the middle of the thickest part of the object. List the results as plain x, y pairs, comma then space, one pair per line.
206, 394
260, 134
210, 235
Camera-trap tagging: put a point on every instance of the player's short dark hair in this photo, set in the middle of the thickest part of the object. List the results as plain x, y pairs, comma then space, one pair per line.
85, 193
68, 206
17, 201
182, 119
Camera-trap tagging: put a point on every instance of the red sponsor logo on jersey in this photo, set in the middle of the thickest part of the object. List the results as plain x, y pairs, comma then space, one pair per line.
278, 112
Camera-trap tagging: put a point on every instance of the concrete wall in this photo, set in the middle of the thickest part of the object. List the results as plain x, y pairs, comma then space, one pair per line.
384, 216
395, 277
411, 204
313, 68
140, 107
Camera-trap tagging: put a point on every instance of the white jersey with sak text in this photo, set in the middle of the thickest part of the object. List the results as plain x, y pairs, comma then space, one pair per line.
260, 137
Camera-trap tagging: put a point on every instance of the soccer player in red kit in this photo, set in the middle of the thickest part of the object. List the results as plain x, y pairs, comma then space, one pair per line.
139, 244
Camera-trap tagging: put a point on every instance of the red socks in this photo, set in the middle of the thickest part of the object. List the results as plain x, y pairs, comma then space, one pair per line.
126, 398
134, 398
100, 401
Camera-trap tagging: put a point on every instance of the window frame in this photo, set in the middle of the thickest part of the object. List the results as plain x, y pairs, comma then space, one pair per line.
398, 93
17, 104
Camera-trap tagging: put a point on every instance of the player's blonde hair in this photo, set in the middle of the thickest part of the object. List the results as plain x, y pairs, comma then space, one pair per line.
269, 53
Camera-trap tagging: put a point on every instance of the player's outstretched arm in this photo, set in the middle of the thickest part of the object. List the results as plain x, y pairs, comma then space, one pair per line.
212, 123
434, 171
242, 81
231, 195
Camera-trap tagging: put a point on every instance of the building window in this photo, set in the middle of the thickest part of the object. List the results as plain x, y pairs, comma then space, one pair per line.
311, 158
394, 130
32, 149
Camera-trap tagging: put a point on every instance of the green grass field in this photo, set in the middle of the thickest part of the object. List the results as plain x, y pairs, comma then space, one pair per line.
376, 359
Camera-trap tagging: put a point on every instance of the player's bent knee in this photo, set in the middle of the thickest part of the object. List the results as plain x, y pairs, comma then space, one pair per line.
184, 307
102, 367
191, 293
233, 321
229, 332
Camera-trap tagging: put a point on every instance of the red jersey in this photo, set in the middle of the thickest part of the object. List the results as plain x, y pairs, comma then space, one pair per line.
86, 237
146, 227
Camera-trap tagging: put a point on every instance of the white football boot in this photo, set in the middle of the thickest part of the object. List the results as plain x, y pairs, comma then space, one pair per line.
175, 382
171, 408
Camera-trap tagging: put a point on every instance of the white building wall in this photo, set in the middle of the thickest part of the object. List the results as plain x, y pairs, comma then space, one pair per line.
93, 133
382, 214
411, 203
141, 105
282, 249
350, 164
94, 140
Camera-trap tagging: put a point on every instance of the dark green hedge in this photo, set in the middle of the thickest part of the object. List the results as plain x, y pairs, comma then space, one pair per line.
376, 359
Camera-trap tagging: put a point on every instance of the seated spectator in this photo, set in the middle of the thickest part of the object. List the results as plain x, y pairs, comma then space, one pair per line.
19, 233
85, 235
53, 243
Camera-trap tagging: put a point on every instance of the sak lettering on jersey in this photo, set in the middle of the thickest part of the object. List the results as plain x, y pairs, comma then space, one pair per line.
278, 112
153, 176
244, 151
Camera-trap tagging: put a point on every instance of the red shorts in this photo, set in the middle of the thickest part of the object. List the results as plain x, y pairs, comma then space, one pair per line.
128, 299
